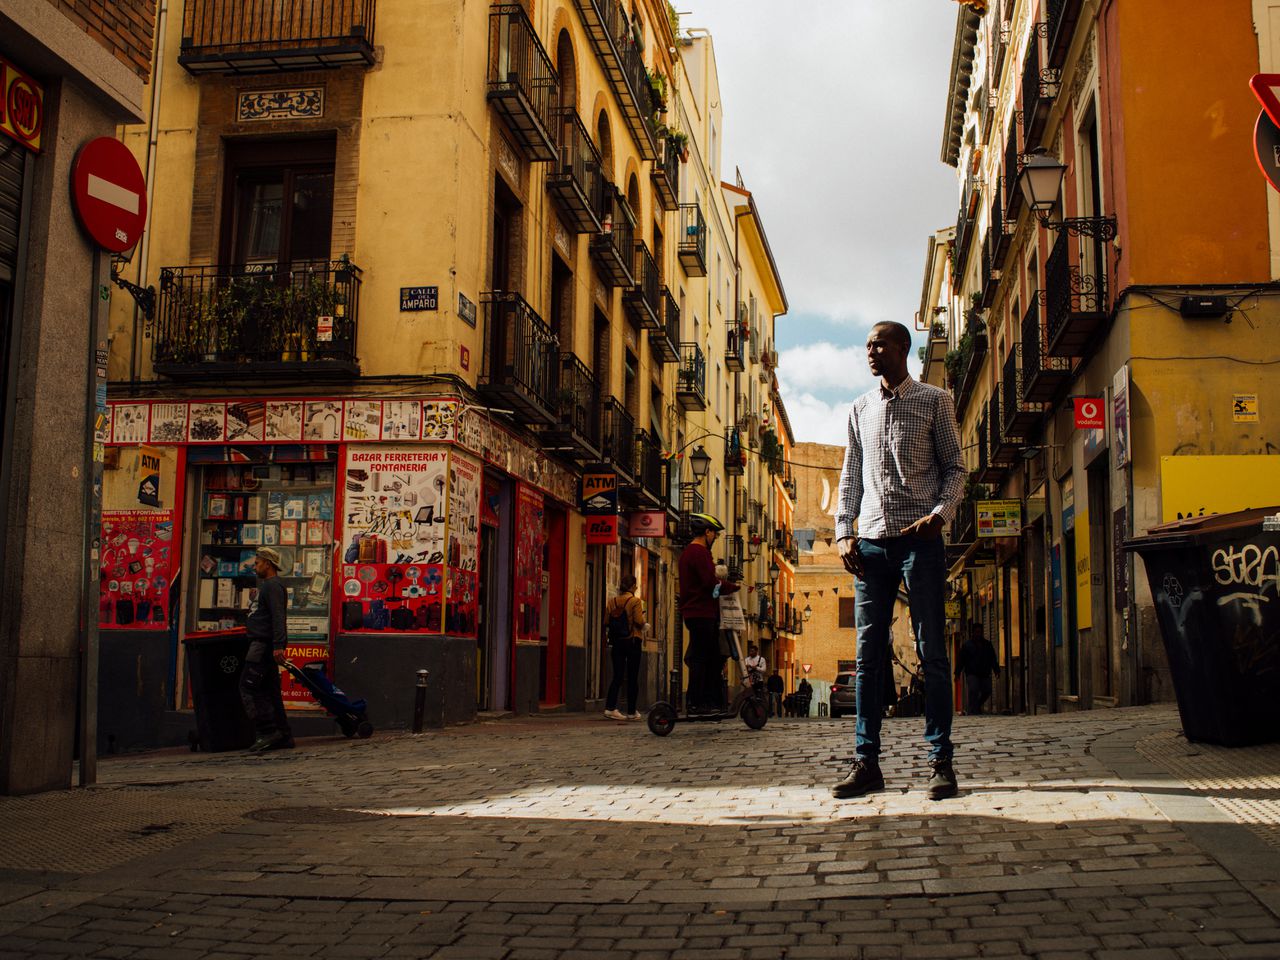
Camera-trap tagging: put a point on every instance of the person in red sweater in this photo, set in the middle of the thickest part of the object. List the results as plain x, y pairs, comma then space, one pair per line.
700, 591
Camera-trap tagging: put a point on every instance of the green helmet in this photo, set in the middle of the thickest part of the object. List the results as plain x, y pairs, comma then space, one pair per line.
700, 523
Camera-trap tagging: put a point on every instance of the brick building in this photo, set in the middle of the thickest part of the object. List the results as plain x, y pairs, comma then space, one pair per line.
70, 72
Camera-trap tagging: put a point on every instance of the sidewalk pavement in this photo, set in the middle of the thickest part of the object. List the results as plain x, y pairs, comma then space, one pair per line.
1093, 835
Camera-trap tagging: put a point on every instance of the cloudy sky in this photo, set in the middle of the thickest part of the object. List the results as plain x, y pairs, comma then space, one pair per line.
834, 112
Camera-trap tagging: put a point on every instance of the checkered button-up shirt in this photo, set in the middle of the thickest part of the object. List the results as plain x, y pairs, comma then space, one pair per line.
903, 460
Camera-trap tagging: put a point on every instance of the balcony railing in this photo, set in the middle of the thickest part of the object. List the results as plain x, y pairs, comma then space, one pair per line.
614, 247
665, 342
964, 524
609, 28
1063, 15
650, 469
1043, 377
214, 322
1039, 89
735, 458
691, 379
666, 174
641, 299
692, 247
1003, 449
965, 225
619, 439
733, 555
962, 388
1012, 167
1018, 416
273, 36
575, 179
576, 431
735, 354
521, 358
1075, 297
522, 82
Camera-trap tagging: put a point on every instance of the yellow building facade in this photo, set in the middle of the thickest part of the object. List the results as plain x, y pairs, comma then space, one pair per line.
432, 289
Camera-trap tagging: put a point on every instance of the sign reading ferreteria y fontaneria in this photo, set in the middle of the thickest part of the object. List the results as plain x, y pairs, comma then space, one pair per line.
999, 518
21, 106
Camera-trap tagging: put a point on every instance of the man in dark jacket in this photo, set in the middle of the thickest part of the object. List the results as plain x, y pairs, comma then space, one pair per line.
775, 686
977, 661
700, 591
267, 627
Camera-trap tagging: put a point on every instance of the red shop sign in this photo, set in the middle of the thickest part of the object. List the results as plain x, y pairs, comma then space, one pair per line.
601, 530
1088, 413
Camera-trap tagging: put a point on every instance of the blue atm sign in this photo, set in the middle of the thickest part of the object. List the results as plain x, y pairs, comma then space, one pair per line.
419, 298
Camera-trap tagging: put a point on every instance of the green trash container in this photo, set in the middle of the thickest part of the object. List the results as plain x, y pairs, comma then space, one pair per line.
1215, 581
214, 663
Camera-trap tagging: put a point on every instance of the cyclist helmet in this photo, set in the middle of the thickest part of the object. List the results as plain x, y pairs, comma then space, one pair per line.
700, 523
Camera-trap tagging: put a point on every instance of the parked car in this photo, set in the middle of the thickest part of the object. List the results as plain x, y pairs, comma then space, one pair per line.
843, 699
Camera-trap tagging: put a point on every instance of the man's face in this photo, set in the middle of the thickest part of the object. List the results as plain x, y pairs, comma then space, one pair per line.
884, 353
262, 568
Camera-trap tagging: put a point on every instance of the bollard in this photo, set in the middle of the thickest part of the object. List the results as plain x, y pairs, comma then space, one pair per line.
419, 700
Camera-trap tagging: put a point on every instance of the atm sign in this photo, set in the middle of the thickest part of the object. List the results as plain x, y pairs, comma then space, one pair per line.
21, 106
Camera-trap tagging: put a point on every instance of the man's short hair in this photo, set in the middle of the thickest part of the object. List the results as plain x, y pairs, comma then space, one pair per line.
898, 332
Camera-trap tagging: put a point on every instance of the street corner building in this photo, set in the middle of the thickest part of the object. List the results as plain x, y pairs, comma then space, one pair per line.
449, 307
68, 75
1104, 312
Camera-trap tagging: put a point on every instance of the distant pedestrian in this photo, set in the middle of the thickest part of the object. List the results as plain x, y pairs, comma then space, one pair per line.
700, 591
902, 480
267, 628
977, 660
774, 686
624, 625
756, 665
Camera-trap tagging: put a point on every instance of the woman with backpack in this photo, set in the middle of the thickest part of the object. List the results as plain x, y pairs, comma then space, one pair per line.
624, 629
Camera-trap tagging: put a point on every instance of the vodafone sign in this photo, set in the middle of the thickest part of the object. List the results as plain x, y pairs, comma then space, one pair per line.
1088, 413
110, 194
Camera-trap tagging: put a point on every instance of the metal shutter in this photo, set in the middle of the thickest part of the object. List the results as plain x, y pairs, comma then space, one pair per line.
11, 167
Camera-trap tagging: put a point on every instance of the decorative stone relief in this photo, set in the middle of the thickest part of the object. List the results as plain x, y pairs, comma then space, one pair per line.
302, 103
562, 238
1084, 67
507, 160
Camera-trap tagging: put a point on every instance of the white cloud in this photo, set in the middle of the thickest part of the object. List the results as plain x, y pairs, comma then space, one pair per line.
825, 368
814, 420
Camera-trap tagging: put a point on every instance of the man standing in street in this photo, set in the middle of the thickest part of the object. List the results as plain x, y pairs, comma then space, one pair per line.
977, 661
699, 601
268, 635
756, 665
902, 479
775, 687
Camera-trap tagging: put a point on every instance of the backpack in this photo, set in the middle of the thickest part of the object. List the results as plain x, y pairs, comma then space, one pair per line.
618, 626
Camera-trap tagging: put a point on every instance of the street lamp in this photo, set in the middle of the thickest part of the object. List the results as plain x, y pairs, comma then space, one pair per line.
1041, 182
700, 463
808, 612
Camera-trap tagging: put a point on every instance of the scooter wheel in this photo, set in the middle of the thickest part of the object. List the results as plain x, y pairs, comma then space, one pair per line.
365, 729
348, 728
661, 719
754, 714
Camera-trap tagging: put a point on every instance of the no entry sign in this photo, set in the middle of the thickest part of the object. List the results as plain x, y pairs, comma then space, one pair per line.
110, 194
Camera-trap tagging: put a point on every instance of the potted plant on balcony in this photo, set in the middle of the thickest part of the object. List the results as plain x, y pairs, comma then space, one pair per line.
680, 140
658, 87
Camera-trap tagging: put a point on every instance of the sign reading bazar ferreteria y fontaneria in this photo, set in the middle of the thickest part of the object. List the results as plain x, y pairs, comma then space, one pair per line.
419, 298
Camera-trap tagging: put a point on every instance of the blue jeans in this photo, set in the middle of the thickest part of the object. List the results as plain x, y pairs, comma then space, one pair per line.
886, 563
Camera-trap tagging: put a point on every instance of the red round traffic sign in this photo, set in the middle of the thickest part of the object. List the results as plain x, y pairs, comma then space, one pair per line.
110, 194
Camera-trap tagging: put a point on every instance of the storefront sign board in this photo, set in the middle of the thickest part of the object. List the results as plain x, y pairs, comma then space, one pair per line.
601, 530
1088, 413
647, 523
21, 106
999, 518
599, 494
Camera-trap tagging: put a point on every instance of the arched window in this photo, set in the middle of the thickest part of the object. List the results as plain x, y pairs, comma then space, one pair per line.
567, 68
633, 196
604, 142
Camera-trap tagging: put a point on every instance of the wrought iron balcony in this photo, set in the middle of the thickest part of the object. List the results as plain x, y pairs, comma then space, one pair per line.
521, 358
735, 359
1003, 450
965, 225
691, 379
988, 470
692, 247
1012, 167
1063, 16
665, 342
576, 430
735, 458
734, 547
1018, 416
608, 27
619, 440
274, 36
990, 276
217, 322
522, 82
650, 469
1075, 295
614, 247
641, 299
575, 180
666, 174
1044, 377
962, 388
964, 524
1039, 89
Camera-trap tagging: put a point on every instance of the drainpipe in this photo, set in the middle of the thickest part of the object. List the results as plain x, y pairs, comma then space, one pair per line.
157, 76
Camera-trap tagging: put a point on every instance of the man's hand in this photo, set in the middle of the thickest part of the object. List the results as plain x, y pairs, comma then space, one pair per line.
850, 556
280, 657
927, 526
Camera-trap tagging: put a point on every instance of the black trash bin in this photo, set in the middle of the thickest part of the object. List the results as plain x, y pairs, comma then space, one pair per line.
214, 663
1215, 581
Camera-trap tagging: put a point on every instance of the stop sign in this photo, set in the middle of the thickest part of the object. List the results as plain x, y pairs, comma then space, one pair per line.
110, 194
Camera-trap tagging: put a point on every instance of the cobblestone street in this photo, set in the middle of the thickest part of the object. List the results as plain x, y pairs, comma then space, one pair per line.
1094, 835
